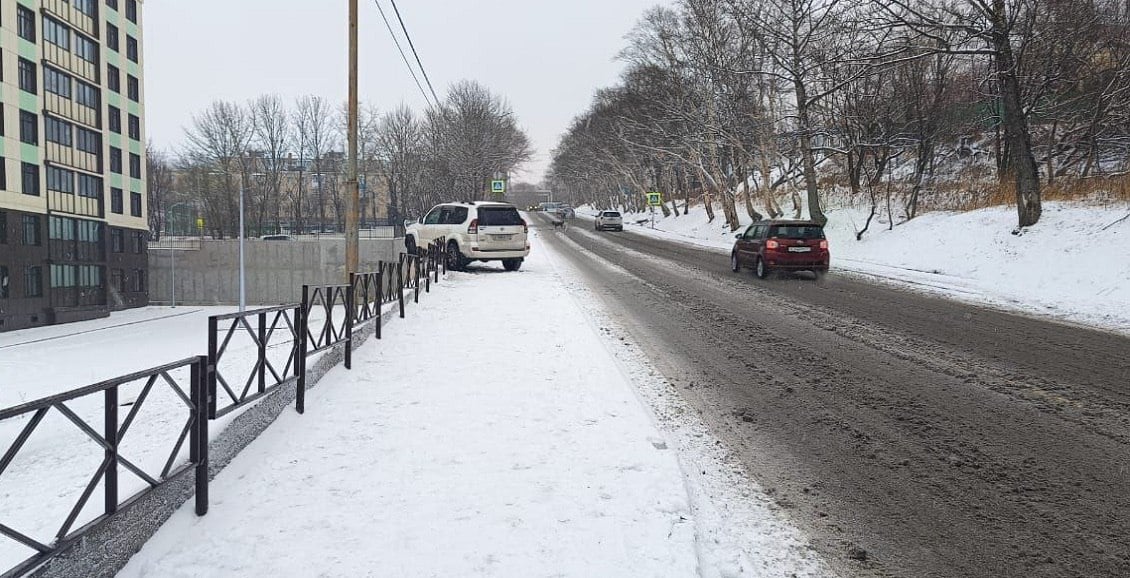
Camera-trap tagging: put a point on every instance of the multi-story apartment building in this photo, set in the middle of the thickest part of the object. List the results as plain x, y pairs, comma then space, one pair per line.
73, 223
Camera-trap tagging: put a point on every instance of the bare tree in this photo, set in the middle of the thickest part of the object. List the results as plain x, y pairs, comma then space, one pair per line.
314, 130
159, 186
273, 136
218, 139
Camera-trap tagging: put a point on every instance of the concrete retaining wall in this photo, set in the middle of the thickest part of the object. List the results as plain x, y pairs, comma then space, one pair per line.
275, 270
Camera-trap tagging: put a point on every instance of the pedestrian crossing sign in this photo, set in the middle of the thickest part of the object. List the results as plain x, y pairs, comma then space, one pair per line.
654, 199
498, 187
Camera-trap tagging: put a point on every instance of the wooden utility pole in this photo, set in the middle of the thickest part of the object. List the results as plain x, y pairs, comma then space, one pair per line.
352, 191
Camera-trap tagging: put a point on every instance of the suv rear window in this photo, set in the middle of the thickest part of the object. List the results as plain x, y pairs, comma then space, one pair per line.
796, 232
611, 214
499, 217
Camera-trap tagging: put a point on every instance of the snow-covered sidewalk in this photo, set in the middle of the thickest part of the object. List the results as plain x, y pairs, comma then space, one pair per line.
492, 433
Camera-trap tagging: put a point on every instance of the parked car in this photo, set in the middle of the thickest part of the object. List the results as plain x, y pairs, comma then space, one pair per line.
768, 246
566, 212
481, 231
609, 220
277, 238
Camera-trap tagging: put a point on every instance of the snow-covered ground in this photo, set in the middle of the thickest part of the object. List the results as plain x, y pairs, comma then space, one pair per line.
497, 432
1074, 265
48, 475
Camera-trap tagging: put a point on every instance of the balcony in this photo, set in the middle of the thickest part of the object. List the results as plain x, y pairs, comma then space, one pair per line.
72, 158
66, 60
71, 110
63, 10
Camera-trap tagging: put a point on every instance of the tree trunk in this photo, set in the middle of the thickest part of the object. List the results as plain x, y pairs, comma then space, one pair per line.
1022, 163
808, 159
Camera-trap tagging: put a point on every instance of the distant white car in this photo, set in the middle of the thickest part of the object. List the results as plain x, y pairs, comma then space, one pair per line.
609, 220
482, 231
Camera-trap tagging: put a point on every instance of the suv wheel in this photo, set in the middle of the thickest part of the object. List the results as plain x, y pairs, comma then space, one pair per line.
761, 269
512, 264
734, 266
455, 260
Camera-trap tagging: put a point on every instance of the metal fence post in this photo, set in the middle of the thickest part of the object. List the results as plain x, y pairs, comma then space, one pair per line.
110, 429
439, 257
262, 352
198, 445
350, 297
400, 284
380, 298
352, 283
213, 329
300, 395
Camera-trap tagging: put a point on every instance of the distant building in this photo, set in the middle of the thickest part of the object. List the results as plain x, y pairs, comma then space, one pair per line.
73, 221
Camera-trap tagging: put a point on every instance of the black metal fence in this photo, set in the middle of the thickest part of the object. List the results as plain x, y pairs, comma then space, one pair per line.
190, 389
280, 340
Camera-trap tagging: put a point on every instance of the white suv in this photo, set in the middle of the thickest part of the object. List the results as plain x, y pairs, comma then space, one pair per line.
609, 220
482, 231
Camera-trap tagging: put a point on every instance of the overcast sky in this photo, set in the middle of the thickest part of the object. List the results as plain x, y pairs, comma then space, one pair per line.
547, 57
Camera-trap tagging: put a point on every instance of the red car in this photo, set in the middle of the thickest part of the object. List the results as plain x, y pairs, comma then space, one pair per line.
768, 246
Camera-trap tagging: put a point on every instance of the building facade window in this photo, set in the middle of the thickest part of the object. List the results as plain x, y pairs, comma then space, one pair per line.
31, 235
56, 33
29, 127
61, 180
86, 49
112, 4
88, 7
113, 78
3, 170
3, 228
33, 282
58, 131
138, 242
56, 82
29, 179
135, 204
88, 141
116, 160
87, 95
117, 241
89, 186
131, 11
133, 88
5, 282
134, 127
112, 37
135, 165
116, 203
27, 76
25, 23
114, 116
131, 48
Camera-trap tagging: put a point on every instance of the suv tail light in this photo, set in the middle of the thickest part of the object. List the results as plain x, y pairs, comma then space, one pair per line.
824, 245
473, 228
772, 245
525, 226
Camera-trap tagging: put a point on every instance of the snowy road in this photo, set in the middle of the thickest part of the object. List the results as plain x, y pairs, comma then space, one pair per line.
939, 438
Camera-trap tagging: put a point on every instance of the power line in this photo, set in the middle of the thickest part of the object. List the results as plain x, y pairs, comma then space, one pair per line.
414, 53
404, 56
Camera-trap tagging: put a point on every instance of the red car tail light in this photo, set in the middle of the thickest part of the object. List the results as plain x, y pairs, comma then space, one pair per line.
772, 245
473, 228
824, 245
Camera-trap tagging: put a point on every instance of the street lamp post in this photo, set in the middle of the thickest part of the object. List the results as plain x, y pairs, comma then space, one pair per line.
242, 269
